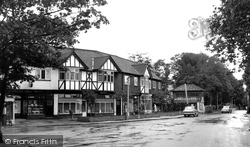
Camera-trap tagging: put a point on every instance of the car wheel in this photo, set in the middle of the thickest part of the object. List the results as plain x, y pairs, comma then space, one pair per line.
185, 115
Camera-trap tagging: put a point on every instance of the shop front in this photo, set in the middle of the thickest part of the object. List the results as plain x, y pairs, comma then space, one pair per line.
71, 103
35, 105
146, 103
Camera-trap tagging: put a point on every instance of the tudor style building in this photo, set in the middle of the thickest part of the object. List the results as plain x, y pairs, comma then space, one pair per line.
57, 91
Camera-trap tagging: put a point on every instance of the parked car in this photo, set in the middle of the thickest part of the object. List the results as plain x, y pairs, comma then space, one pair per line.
190, 110
226, 109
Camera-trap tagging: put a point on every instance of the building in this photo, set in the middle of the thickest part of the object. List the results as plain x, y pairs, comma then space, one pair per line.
58, 91
195, 96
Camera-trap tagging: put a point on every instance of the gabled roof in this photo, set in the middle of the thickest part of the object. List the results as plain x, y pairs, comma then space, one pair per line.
99, 61
123, 65
153, 75
190, 87
140, 68
66, 53
87, 55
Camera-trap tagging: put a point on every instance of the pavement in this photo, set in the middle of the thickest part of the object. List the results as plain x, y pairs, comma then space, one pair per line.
68, 121
20, 123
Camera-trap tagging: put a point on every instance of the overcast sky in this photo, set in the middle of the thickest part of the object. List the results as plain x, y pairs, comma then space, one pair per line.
158, 28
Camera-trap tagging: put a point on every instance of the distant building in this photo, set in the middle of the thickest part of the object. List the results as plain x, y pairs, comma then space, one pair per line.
195, 96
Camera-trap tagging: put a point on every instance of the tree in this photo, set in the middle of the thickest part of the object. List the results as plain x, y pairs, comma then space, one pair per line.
141, 58
162, 70
229, 25
32, 33
90, 97
207, 72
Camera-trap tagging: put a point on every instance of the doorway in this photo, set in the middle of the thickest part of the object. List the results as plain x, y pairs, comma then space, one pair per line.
49, 107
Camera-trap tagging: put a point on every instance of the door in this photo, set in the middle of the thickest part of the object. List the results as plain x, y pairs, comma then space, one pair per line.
118, 107
49, 108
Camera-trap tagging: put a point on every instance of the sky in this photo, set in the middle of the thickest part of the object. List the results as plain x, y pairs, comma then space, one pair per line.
159, 28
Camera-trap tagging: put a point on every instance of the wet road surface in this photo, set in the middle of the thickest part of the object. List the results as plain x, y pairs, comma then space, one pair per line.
207, 130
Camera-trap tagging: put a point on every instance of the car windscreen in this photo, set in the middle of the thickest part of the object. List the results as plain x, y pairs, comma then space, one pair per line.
188, 108
225, 107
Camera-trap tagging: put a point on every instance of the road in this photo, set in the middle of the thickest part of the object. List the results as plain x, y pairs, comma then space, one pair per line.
207, 130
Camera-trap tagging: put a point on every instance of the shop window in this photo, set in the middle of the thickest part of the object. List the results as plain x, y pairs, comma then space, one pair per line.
73, 107
104, 108
35, 107
78, 108
64, 107
60, 108
97, 107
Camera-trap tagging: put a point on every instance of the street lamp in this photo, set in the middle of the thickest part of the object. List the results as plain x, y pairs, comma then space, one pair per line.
186, 94
128, 83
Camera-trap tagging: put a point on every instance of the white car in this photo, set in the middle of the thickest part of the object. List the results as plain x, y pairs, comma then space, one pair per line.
190, 110
226, 109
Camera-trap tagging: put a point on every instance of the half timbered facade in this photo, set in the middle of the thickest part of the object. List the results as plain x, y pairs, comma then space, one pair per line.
58, 91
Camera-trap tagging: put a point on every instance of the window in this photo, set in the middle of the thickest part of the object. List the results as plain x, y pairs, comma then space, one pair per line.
159, 85
142, 82
106, 76
149, 84
61, 75
64, 107
43, 74
100, 76
126, 80
72, 74
135, 81
104, 107
154, 84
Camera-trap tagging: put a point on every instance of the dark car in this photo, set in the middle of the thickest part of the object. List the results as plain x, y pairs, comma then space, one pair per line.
190, 110
226, 109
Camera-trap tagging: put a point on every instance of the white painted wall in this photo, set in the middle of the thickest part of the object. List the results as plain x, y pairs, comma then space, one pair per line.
44, 85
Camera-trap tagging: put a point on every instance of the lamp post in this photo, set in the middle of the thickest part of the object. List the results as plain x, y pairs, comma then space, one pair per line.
185, 85
138, 98
128, 82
